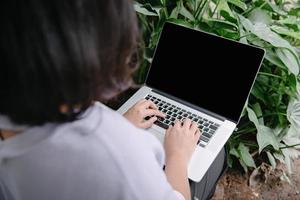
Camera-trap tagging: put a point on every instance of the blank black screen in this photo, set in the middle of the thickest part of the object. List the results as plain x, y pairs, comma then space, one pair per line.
203, 69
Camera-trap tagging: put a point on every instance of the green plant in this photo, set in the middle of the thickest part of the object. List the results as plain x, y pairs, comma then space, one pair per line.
269, 127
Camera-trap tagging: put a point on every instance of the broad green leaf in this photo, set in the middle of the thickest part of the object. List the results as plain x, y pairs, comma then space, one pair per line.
273, 58
243, 164
292, 137
279, 157
175, 12
252, 116
295, 12
181, 22
258, 112
290, 21
293, 113
184, 12
275, 8
289, 154
224, 10
243, 38
247, 24
258, 93
238, 3
140, 8
264, 32
265, 137
284, 31
259, 15
289, 60
246, 156
222, 24
271, 159
234, 152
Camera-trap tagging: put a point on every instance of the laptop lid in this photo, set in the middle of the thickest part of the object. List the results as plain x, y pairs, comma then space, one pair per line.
205, 70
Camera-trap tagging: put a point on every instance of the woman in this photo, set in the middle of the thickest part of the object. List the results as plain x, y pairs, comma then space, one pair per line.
59, 60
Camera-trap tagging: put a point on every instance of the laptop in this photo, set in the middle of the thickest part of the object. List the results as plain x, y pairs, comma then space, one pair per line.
200, 76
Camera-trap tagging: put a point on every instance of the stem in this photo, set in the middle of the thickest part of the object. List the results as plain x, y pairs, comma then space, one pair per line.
244, 36
213, 13
243, 132
270, 114
268, 74
289, 146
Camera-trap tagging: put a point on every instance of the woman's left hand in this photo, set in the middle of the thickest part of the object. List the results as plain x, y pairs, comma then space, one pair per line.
142, 109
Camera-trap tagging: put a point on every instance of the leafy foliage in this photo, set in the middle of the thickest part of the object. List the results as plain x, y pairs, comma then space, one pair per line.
270, 124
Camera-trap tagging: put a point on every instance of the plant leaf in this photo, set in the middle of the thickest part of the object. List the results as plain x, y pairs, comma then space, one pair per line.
224, 10
238, 3
259, 15
234, 152
258, 111
184, 12
284, 31
289, 60
293, 113
265, 137
252, 116
289, 154
246, 156
292, 137
140, 8
273, 58
264, 32
271, 159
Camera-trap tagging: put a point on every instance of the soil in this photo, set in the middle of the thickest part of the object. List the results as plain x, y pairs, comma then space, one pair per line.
264, 183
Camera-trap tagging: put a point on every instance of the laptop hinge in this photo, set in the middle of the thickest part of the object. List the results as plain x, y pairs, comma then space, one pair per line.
189, 105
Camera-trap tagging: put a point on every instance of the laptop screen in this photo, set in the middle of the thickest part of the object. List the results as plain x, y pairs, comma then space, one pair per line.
208, 71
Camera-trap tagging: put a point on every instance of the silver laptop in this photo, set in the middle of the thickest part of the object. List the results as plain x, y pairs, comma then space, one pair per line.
203, 77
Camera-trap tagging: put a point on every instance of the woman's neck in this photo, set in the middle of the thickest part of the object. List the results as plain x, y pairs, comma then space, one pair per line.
7, 134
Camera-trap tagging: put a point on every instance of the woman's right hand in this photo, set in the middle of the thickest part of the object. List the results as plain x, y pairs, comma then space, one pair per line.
181, 140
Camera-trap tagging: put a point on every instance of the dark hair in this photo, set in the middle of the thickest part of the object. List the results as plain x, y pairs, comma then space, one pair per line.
71, 52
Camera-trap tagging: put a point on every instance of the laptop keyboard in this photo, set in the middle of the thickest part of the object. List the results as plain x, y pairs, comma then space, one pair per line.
207, 127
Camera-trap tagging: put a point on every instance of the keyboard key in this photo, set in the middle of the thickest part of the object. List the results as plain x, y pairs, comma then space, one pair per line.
201, 145
206, 135
161, 124
205, 139
213, 127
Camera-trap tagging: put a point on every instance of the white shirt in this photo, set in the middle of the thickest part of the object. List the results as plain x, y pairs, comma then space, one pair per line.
98, 157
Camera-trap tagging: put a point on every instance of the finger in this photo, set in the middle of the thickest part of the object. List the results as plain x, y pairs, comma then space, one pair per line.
177, 124
187, 123
150, 112
194, 127
140, 102
197, 135
148, 123
149, 104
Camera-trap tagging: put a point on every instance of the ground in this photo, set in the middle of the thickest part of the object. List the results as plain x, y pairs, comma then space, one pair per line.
263, 184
